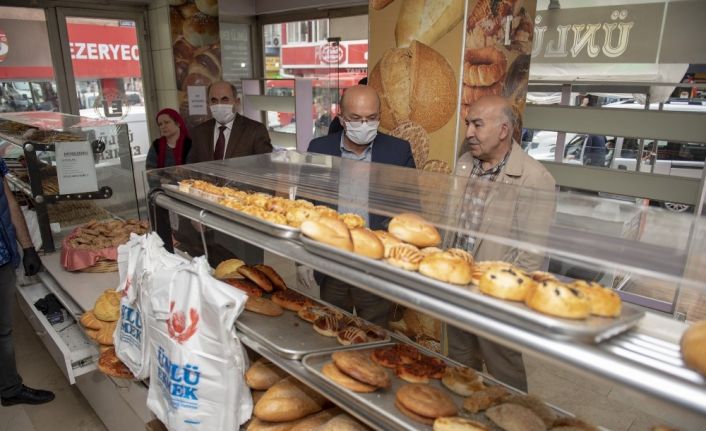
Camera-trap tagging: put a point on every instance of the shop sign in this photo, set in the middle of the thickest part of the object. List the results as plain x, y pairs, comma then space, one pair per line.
349, 54
272, 64
610, 34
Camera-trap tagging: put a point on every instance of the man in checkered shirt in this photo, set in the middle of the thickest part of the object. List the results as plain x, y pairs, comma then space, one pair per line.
520, 211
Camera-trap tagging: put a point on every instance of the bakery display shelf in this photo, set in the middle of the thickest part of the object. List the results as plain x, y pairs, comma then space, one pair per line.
295, 368
273, 229
644, 369
381, 403
287, 334
593, 329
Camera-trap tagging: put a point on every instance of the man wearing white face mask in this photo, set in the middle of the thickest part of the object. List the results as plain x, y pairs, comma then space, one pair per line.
228, 134
360, 141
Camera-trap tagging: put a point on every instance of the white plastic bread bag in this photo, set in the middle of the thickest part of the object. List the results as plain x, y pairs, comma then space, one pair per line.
144, 255
197, 364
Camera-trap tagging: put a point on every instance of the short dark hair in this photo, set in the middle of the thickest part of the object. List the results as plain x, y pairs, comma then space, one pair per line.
233, 88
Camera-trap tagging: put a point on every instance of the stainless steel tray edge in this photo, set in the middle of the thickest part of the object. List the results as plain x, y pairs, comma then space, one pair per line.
593, 329
276, 230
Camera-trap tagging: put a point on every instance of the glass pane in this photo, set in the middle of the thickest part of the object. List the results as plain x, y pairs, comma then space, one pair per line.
26, 72
106, 66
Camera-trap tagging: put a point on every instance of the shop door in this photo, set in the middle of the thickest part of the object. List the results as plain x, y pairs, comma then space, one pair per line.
106, 75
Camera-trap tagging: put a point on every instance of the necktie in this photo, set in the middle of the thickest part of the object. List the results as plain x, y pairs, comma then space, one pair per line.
220, 145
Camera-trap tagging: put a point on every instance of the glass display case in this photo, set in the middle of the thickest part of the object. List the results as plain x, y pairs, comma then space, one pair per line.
560, 235
72, 169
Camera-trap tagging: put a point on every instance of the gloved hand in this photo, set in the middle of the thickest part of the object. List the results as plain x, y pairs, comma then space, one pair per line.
31, 261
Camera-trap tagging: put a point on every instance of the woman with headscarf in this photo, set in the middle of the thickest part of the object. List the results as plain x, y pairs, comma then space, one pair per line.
172, 147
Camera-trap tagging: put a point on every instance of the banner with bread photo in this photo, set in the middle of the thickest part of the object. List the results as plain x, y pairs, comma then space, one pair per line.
414, 62
196, 47
496, 56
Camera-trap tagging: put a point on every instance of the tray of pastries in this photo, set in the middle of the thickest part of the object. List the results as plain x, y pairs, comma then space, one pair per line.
414, 389
288, 322
408, 254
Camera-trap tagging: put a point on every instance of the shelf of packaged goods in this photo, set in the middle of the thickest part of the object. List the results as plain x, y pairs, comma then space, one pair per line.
644, 363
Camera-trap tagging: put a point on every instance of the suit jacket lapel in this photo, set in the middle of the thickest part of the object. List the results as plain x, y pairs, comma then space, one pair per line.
236, 133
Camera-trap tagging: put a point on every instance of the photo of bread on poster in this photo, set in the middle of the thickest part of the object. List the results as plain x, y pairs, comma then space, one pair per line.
414, 64
497, 52
196, 47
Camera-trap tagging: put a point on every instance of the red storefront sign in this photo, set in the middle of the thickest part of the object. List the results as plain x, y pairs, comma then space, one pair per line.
96, 52
352, 55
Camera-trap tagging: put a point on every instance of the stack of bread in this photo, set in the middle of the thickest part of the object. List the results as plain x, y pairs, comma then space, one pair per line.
282, 403
100, 324
347, 329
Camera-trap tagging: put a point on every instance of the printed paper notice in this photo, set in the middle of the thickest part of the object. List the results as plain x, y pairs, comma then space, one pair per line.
197, 99
75, 167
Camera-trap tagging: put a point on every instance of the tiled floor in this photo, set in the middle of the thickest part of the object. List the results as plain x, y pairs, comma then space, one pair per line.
598, 402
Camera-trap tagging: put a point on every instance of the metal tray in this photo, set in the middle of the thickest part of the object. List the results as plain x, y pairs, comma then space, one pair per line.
288, 335
594, 329
381, 404
278, 230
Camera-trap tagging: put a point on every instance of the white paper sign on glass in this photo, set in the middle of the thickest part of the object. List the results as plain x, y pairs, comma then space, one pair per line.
76, 167
197, 99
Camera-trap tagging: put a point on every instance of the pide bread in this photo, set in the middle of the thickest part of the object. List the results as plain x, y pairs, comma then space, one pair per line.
415, 83
412, 415
228, 269
277, 281
89, 321
506, 283
538, 407
327, 235
557, 299
481, 400
605, 302
426, 401
513, 417
462, 380
693, 347
359, 366
290, 300
426, 20
263, 306
414, 230
288, 400
263, 374
447, 267
351, 335
457, 423
313, 422
366, 243
331, 371
246, 286
256, 276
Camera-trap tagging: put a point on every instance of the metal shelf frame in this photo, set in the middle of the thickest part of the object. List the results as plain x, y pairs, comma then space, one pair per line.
635, 360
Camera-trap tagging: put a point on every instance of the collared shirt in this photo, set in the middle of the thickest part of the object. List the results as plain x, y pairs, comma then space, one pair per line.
474, 200
354, 180
226, 133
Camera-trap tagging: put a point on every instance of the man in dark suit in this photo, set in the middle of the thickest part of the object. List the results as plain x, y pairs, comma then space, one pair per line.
361, 141
228, 134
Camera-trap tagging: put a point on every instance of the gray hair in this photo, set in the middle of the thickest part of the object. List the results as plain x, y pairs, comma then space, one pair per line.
233, 88
508, 116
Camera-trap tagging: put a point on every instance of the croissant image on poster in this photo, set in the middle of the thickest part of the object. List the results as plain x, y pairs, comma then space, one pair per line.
497, 51
415, 84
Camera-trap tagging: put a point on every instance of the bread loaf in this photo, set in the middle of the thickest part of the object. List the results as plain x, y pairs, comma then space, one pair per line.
263, 375
693, 347
288, 400
426, 21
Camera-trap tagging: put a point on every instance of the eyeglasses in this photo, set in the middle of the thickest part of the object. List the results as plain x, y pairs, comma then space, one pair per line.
357, 123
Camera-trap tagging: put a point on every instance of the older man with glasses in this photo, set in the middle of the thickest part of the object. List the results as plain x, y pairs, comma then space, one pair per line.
360, 140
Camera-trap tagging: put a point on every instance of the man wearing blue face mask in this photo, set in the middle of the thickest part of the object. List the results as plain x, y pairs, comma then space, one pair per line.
360, 140
228, 134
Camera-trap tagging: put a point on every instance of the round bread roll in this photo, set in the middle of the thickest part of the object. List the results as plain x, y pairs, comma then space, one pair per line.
366, 243
325, 211
415, 84
405, 256
605, 302
426, 401
414, 230
388, 240
428, 251
263, 374
337, 225
418, 139
537, 405
463, 254
462, 380
288, 400
557, 299
693, 347
299, 214
263, 306
513, 417
107, 307
457, 423
332, 372
200, 29
510, 284
480, 268
412, 415
447, 267
228, 269
209, 7
322, 233
352, 220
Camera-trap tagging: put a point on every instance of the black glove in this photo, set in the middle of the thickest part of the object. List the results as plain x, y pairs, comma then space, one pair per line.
31, 261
